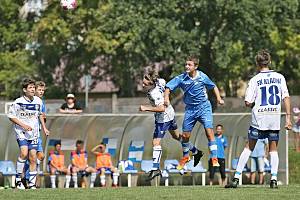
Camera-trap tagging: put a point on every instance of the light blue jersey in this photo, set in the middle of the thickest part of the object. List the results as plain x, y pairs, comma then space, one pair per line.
194, 88
222, 144
198, 108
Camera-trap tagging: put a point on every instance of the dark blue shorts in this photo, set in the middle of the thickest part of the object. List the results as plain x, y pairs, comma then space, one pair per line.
161, 128
31, 144
107, 170
255, 134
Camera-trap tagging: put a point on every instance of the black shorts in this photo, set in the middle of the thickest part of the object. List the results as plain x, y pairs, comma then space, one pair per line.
221, 169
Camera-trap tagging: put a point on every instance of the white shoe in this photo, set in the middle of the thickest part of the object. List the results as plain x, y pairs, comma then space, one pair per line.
75, 186
32, 187
91, 185
20, 185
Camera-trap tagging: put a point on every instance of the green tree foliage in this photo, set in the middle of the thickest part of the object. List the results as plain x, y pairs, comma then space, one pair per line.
14, 60
116, 39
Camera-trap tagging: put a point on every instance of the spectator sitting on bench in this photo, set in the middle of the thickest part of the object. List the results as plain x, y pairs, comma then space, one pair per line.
104, 163
80, 166
57, 165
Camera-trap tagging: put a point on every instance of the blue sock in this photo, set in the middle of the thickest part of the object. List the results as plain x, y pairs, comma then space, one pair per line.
185, 148
212, 145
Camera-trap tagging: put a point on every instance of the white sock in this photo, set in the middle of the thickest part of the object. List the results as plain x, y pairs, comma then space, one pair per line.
274, 164
38, 164
74, 177
53, 178
93, 178
102, 180
156, 155
68, 179
242, 162
20, 168
32, 178
115, 178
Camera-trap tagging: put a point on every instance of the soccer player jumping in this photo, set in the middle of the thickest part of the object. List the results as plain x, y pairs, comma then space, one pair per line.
194, 84
164, 119
264, 95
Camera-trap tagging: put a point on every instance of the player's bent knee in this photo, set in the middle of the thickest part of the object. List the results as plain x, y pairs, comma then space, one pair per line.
40, 156
156, 143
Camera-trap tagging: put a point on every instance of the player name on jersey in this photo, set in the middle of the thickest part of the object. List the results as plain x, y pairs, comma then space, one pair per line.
268, 81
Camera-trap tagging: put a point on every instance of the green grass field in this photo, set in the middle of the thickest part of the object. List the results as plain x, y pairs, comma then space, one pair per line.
155, 193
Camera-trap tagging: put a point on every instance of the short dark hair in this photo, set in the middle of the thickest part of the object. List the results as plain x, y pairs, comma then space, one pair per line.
57, 143
79, 142
263, 58
219, 125
40, 84
194, 59
102, 143
26, 82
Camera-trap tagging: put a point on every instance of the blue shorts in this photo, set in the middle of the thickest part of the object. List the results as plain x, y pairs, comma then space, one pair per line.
161, 128
201, 113
31, 144
40, 146
255, 134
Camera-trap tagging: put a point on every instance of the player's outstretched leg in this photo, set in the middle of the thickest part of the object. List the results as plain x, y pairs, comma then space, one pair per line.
186, 157
241, 164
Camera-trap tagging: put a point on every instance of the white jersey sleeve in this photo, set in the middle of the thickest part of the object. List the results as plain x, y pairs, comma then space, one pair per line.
284, 89
251, 91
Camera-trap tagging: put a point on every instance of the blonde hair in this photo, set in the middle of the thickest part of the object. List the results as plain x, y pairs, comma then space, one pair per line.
40, 84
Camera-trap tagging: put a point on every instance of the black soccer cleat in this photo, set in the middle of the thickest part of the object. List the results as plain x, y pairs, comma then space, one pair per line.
273, 184
197, 157
153, 174
233, 184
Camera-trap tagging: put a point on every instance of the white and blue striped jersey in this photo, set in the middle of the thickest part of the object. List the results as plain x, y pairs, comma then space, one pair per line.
266, 90
156, 98
27, 112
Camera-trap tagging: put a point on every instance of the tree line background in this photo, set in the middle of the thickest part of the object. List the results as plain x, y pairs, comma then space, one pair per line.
116, 39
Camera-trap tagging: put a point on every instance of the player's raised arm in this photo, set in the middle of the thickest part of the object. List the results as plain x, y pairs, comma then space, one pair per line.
171, 86
158, 108
94, 150
218, 96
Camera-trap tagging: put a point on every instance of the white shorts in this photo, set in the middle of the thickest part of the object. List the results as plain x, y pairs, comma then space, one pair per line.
257, 164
